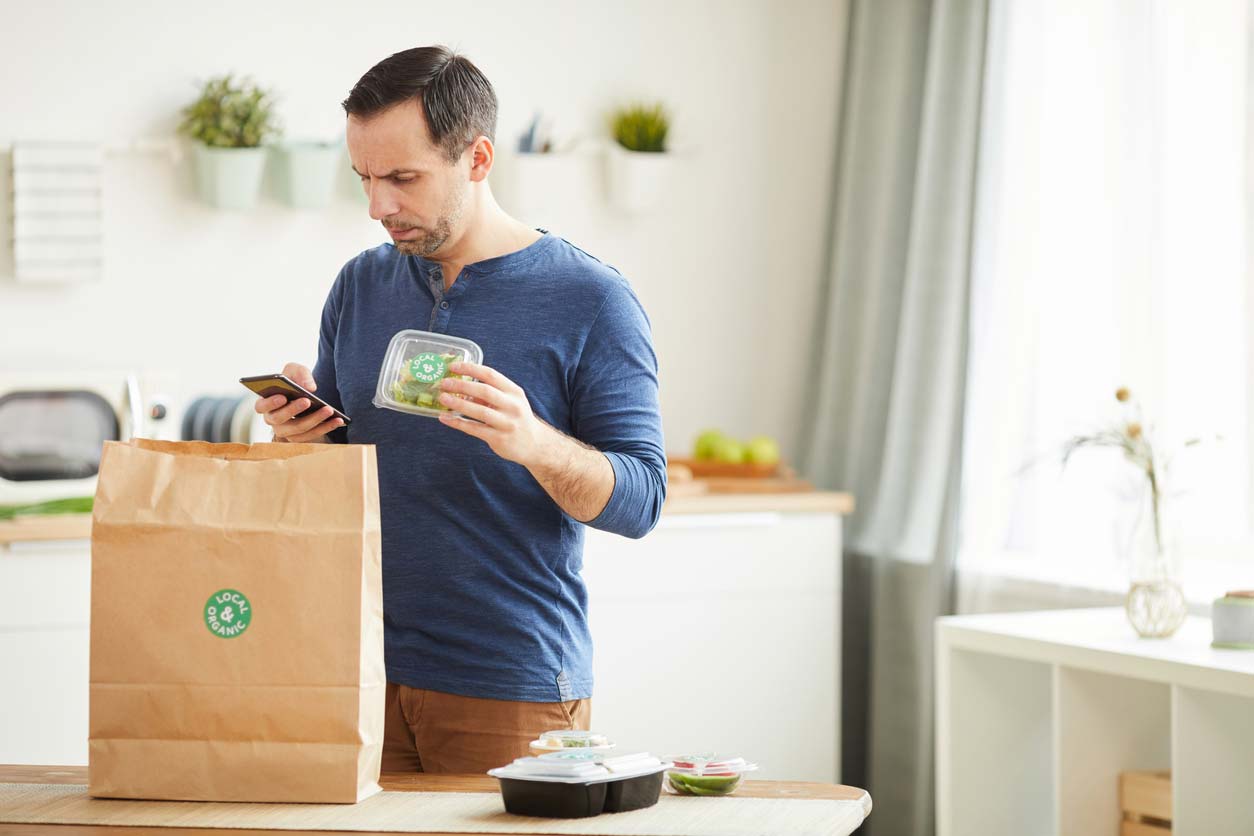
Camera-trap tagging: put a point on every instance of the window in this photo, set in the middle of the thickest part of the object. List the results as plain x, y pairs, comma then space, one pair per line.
1110, 250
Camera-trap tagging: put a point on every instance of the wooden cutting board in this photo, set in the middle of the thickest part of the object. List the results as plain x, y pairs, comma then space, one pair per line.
689, 477
737, 485
680, 482
702, 469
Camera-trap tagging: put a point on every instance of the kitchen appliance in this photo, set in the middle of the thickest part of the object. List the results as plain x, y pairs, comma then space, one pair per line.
53, 425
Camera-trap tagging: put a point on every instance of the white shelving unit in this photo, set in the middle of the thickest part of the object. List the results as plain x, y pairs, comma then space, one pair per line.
1038, 713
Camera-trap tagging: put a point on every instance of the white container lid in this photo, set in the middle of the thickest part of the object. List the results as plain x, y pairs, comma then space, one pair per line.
580, 767
614, 762
710, 763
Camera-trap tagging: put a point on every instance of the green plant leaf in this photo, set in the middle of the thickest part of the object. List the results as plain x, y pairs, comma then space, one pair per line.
641, 127
230, 114
72, 505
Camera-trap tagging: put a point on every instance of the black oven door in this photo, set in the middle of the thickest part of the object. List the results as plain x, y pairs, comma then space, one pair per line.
54, 434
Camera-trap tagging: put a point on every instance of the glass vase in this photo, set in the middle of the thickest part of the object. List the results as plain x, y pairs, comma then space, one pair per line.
1156, 606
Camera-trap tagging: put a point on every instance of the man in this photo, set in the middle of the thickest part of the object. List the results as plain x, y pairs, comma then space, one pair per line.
485, 612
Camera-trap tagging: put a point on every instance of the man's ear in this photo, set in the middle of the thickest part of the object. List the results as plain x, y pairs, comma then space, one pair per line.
482, 155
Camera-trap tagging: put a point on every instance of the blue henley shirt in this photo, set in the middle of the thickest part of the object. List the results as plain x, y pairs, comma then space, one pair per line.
482, 592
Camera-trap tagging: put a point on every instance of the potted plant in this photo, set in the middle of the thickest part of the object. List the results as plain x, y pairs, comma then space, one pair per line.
228, 125
638, 160
305, 172
546, 177
1155, 604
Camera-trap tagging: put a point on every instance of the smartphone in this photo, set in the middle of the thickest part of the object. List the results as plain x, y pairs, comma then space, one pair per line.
269, 385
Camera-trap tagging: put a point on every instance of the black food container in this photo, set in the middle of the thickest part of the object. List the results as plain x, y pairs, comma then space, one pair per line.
551, 799
634, 793
558, 800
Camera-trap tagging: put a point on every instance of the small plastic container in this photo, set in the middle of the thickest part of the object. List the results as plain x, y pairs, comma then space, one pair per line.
564, 740
414, 365
706, 774
577, 784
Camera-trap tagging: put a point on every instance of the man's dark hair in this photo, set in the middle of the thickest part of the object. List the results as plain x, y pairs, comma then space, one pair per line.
458, 101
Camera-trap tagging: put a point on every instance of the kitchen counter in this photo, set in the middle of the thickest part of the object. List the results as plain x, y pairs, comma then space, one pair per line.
395, 782
831, 502
763, 567
56, 527
78, 526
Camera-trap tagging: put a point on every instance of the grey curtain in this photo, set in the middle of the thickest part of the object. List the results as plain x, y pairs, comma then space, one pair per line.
891, 371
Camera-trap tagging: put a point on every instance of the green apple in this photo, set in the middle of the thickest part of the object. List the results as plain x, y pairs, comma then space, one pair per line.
706, 442
762, 450
728, 450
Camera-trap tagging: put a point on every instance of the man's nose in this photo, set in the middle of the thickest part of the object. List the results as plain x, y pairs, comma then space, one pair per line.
382, 199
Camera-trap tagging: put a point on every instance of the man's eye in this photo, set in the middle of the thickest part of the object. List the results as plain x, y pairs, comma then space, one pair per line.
402, 179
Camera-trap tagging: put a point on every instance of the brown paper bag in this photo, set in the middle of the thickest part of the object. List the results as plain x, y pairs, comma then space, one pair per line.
236, 623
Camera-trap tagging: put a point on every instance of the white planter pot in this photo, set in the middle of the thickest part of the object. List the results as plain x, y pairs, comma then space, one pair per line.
229, 178
348, 186
536, 187
637, 179
305, 172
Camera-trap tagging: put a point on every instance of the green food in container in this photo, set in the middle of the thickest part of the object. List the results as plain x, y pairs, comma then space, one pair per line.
420, 392
414, 366
572, 739
687, 784
706, 774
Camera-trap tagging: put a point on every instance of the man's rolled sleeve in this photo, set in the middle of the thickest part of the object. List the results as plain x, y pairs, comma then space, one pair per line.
615, 409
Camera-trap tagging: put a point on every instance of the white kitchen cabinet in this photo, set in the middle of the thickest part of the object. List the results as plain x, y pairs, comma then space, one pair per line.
717, 630
721, 631
45, 605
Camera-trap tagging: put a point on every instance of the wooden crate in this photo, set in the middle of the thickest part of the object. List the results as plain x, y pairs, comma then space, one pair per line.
1137, 828
1145, 800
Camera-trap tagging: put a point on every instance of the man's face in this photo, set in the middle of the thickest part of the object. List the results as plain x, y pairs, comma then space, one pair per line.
414, 190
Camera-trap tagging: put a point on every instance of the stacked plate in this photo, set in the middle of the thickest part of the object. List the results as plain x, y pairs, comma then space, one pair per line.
562, 740
224, 419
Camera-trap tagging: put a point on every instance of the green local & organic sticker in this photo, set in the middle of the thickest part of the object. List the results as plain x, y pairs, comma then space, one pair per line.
228, 613
427, 367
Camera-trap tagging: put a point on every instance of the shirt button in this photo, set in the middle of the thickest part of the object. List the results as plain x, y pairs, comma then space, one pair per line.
444, 306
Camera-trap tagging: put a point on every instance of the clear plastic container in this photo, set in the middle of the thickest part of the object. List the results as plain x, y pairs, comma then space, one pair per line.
561, 740
706, 774
414, 365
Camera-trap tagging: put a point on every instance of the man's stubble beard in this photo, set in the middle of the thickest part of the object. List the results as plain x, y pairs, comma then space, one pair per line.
429, 241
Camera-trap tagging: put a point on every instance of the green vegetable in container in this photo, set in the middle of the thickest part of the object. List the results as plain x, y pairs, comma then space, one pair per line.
418, 383
703, 784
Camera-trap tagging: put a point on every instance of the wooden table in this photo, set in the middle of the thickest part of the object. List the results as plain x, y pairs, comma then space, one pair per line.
404, 782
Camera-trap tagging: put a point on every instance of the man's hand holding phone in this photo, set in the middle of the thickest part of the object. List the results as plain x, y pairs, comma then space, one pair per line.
291, 412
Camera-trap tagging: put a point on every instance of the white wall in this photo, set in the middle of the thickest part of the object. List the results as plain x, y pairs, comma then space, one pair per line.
729, 263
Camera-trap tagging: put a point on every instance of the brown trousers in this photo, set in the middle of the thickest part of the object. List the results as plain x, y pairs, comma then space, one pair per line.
430, 731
